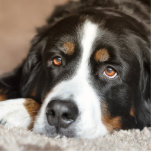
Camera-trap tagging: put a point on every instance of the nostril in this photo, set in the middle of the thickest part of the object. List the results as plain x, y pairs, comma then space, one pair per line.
66, 116
52, 113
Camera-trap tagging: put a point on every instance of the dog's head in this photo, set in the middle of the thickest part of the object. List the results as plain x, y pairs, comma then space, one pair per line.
91, 73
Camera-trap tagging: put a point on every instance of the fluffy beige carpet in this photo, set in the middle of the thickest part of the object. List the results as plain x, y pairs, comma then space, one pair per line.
19, 139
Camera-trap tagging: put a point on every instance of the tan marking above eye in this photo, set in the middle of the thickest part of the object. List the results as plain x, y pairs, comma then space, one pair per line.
69, 47
101, 55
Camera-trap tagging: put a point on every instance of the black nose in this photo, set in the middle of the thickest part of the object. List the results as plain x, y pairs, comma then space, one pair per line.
61, 114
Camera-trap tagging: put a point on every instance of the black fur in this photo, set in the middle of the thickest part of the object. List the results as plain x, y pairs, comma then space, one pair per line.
126, 22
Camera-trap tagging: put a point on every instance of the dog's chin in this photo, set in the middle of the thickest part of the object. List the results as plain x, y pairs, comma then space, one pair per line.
51, 131
70, 132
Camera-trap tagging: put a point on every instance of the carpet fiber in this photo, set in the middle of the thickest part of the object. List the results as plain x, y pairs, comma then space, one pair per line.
19, 139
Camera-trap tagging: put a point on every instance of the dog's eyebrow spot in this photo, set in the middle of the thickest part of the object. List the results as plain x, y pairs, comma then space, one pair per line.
69, 48
101, 55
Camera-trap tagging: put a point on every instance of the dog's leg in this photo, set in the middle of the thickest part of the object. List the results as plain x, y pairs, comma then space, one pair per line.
18, 112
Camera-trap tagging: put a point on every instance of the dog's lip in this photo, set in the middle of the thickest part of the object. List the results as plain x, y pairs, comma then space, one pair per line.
60, 132
53, 132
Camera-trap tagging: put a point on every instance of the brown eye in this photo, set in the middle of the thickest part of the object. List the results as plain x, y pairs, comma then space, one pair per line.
110, 72
57, 61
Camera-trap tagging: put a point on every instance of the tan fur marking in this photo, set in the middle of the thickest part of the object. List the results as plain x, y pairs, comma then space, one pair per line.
132, 112
3, 95
69, 48
101, 55
110, 122
33, 94
32, 108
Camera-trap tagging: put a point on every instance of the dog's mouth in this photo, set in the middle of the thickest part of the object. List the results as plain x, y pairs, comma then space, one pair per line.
52, 131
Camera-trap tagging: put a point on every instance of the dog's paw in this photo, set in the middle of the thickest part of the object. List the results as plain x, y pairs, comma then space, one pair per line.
13, 113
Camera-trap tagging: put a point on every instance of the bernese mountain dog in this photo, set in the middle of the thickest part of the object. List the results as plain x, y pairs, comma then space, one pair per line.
87, 72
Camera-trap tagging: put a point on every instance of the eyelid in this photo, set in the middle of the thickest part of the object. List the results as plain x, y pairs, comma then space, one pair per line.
110, 77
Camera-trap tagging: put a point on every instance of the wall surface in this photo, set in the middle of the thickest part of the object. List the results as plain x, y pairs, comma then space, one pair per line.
18, 20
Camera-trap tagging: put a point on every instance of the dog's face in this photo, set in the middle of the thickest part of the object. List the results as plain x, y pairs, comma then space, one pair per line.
89, 75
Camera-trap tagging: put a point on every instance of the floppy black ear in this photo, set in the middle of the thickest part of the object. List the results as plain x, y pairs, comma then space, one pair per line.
21, 81
32, 66
143, 105
10, 84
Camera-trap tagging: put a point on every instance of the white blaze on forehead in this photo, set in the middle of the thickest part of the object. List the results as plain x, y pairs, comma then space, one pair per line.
89, 35
80, 90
